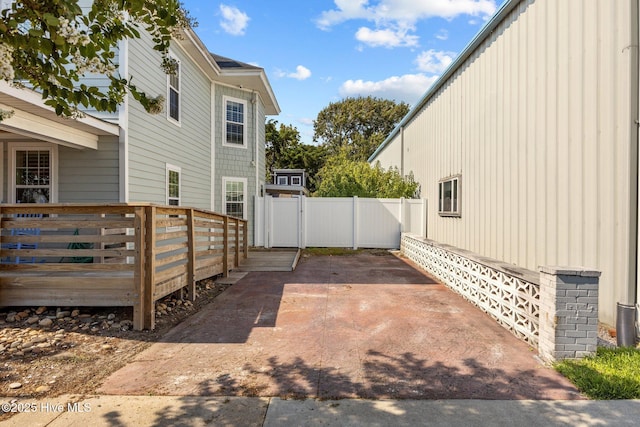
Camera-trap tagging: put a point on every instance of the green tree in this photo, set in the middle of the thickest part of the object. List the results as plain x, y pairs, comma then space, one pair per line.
344, 177
357, 125
51, 45
285, 151
279, 141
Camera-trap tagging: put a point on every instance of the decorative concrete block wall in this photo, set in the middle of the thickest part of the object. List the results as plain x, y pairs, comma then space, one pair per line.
568, 325
555, 310
505, 292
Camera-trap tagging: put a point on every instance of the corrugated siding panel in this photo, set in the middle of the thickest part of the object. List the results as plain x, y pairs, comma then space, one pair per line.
391, 154
154, 140
538, 123
89, 175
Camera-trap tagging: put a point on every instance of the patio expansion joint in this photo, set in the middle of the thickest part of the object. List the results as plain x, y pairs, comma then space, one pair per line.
324, 332
266, 410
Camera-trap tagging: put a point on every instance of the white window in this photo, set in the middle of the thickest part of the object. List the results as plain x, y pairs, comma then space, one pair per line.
235, 122
32, 173
449, 196
173, 93
296, 180
282, 180
235, 197
173, 185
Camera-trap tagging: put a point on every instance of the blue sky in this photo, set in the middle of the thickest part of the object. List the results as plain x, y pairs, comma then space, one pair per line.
321, 51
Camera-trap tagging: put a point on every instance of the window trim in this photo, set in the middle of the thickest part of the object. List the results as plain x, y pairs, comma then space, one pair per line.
286, 180
172, 168
13, 147
178, 90
296, 178
225, 100
245, 192
455, 209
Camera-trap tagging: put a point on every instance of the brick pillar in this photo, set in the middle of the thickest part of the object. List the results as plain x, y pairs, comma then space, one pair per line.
568, 312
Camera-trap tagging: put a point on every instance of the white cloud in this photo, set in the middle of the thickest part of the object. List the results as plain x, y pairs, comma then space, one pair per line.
442, 34
403, 13
234, 21
408, 88
386, 37
306, 121
301, 73
434, 62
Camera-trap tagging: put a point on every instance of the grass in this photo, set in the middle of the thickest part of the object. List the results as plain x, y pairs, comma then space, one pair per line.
612, 373
331, 251
343, 251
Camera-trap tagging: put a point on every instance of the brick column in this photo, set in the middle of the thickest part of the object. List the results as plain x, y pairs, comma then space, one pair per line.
568, 312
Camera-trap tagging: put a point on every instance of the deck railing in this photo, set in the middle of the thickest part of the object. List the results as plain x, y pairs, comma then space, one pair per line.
112, 254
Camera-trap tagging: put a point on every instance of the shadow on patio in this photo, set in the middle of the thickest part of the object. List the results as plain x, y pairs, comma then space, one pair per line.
352, 326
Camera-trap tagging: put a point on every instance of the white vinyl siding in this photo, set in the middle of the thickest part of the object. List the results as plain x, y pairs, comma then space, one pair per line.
242, 163
102, 81
89, 175
538, 120
154, 141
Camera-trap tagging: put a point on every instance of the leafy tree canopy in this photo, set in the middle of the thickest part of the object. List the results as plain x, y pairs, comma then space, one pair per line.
357, 125
285, 151
51, 44
342, 176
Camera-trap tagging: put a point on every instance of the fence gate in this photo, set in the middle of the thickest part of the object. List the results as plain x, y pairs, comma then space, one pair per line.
338, 222
285, 222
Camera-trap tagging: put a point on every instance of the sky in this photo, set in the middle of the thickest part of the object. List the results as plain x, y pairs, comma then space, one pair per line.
316, 52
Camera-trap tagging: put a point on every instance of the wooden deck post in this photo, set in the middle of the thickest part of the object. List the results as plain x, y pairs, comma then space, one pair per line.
150, 268
191, 248
225, 245
139, 307
245, 239
236, 258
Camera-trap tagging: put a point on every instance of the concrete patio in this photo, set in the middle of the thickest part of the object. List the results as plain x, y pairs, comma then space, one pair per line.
364, 326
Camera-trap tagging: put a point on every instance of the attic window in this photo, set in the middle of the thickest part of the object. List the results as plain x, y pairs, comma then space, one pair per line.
449, 196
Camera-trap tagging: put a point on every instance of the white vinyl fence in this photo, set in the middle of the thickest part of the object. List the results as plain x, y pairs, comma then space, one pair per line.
339, 222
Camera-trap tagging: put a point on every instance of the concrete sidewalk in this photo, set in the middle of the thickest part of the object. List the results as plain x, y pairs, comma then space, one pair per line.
265, 411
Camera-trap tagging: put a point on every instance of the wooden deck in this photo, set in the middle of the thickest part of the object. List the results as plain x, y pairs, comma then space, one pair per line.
112, 254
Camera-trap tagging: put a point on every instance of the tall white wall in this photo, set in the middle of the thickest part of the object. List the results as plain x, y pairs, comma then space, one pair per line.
539, 122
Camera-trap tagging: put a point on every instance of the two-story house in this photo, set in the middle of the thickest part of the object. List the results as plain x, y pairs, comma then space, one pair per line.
206, 149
